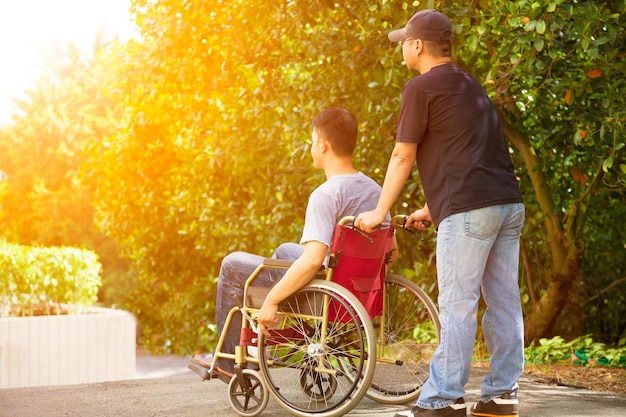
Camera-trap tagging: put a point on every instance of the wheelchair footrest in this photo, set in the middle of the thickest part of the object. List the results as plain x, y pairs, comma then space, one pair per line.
200, 370
206, 375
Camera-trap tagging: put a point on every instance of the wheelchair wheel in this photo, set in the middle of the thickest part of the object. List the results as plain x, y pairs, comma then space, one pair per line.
406, 341
302, 362
317, 386
248, 396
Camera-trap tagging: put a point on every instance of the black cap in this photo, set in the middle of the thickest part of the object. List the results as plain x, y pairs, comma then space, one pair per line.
428, 25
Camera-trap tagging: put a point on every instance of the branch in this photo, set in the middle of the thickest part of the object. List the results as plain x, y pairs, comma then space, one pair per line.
572, 225
607, 289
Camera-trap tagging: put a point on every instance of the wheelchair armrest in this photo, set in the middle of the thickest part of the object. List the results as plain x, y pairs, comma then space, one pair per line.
282, 263
256, 295
277, 263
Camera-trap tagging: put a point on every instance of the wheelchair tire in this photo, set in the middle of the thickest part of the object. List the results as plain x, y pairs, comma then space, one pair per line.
406, 341
302, 363
248, 396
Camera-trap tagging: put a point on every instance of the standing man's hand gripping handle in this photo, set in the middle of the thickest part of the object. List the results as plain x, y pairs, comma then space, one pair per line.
419, 219
398, 171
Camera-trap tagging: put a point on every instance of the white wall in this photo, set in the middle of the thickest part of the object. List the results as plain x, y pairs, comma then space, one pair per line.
70, 349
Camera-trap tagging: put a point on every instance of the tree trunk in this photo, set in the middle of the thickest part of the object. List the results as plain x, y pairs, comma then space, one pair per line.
543, 318
565, 251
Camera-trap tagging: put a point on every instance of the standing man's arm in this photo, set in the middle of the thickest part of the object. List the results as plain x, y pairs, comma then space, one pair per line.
398, 171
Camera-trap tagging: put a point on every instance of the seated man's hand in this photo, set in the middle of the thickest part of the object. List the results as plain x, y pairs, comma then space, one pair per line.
300, 273
268, 317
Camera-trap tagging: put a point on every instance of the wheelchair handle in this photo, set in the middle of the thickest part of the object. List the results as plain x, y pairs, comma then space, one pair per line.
351, 219
399, 222
347, 219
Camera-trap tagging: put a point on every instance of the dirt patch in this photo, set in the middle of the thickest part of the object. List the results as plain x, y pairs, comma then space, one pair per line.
595, 378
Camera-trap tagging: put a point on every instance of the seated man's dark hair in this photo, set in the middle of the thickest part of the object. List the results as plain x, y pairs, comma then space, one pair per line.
339, 127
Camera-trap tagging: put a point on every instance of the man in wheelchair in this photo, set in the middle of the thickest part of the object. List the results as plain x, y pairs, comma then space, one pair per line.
345, 192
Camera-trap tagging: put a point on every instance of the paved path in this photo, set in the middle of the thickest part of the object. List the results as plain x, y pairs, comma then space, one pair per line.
164, 387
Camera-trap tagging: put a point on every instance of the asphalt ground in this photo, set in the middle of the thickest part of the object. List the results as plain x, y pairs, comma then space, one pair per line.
165, 387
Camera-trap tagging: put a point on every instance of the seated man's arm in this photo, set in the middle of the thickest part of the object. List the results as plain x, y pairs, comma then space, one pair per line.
297, 276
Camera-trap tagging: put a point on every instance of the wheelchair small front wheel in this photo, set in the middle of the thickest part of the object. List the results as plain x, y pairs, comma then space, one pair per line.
247, 395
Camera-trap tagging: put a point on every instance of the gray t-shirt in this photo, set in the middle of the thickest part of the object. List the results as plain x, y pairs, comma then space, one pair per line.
339, 196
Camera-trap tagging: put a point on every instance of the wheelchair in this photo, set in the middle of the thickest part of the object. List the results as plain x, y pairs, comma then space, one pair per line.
353, 331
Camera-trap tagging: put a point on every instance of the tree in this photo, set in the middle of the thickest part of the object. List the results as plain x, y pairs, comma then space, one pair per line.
213, 145
556, 73
42, 199
213, 89
212, 154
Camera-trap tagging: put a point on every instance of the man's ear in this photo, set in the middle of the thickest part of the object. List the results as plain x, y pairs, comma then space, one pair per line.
324, 144
419, 46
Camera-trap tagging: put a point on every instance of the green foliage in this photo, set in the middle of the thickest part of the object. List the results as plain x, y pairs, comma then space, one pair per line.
210, 163
604, 270
555, 71
44, 200
192, 141
426, 333
580, 351
218, 118
549, 350
34, 276
40, 154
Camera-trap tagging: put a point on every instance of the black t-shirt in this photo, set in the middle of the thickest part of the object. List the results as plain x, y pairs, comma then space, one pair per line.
463, 161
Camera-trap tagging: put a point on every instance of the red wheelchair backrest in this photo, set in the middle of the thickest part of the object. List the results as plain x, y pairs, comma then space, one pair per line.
358, 260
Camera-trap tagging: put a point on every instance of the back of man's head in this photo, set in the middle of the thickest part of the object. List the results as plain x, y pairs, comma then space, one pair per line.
442, 49
339, 127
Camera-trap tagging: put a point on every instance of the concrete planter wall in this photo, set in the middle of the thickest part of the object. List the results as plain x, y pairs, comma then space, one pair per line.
96, 346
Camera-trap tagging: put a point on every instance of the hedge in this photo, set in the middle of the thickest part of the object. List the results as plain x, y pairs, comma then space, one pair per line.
47, 280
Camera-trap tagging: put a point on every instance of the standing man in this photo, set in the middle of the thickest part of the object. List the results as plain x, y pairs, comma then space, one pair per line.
448, 124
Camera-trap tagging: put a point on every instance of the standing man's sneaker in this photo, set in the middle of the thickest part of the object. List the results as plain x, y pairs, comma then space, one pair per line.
457, 409
505, 406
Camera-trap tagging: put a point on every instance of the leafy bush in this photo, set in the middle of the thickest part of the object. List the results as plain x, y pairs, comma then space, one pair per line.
426, 333
580, 351
38, 280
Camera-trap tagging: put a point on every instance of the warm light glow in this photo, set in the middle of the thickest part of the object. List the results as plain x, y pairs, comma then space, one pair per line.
28, 27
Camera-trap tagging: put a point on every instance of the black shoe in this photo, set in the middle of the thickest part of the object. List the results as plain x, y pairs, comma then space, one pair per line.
455, 410
201, 364
504, 406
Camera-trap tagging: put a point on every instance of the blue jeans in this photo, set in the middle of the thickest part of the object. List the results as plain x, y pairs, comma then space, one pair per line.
235, 270
477, 250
